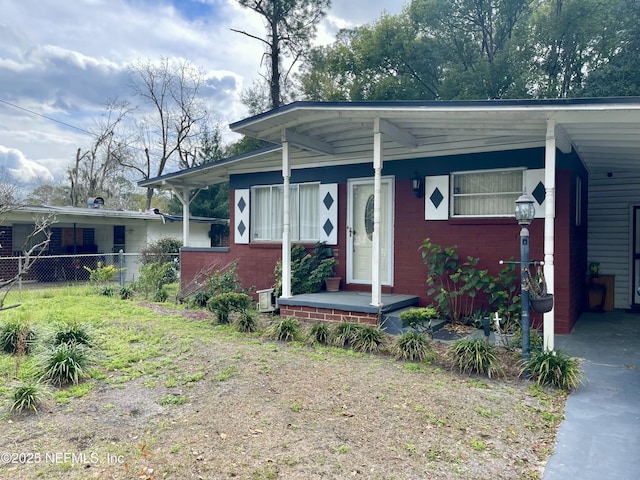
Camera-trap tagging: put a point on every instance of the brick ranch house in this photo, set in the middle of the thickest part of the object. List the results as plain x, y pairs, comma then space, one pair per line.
373, 179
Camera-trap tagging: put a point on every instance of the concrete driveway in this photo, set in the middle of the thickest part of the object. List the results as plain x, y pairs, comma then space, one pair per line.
600, 435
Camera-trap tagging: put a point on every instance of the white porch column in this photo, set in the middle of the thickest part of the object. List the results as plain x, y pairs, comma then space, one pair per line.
376, 285
286, 221
549, 232
185, 198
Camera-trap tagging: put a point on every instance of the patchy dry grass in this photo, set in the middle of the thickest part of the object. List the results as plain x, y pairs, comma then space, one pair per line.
174, 396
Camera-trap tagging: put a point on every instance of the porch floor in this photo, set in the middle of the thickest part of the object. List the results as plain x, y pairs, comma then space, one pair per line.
350, 301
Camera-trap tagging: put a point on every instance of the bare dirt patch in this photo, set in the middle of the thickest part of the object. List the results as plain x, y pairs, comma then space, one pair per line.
238, 406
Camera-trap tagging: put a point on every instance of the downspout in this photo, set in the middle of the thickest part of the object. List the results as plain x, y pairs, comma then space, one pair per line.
376, 286
549, 228
286, 236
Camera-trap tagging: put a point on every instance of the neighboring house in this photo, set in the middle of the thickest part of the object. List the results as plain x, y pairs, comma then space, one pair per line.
373, 179
92, 230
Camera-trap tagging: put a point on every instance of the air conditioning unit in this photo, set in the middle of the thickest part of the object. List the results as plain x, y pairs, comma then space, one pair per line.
95, 202
265, 300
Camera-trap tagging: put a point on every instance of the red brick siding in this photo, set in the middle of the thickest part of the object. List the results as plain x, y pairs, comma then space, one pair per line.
328, 315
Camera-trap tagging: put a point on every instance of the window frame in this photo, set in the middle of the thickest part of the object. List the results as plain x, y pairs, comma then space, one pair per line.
453, 195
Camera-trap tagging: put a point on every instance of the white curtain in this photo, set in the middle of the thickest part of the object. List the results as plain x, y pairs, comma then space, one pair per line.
260, 213
308, 212
486, 193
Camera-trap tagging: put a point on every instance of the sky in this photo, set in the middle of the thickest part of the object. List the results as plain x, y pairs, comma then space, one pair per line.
64, 59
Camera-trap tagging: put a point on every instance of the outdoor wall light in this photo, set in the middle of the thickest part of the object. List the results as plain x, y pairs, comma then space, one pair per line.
525, 211
418, 186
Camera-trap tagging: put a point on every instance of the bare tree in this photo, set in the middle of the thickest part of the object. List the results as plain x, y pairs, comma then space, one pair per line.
34, 245
171, 91
290, 25
96, 169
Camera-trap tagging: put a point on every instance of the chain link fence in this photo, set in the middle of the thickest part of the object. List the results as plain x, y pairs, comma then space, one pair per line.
58, 270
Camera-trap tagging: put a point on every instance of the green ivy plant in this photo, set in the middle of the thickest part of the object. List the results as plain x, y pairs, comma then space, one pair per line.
503, 296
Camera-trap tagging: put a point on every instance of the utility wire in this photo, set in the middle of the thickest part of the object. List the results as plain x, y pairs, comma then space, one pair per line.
48, 118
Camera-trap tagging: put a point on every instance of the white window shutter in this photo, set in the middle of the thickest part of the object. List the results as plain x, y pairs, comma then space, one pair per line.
436, 197
534, 185
328, 228
241, 216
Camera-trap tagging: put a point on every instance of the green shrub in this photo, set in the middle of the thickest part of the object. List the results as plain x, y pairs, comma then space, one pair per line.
413, 346
226, 303
16, 337
320, 333
72, 332
28, 396
553, 368
284, 330
160, 295
153, 276
108, 290
476, 356
535, 340
102, 274
344, 334
368, 339
308, 270
247, 322
419, 319
65, 363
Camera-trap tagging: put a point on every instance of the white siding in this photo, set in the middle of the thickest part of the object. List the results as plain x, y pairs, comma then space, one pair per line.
610, 228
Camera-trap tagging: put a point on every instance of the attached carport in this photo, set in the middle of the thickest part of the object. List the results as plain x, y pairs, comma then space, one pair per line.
603, 132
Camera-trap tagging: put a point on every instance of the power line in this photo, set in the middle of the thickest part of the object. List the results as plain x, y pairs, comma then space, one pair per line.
47, 118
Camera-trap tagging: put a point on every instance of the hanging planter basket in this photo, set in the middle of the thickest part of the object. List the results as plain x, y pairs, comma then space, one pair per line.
541, 304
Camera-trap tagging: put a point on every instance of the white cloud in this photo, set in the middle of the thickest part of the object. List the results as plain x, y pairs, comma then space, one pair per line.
22, 169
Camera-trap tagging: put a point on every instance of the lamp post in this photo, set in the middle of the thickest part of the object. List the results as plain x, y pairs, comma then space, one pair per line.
525, 211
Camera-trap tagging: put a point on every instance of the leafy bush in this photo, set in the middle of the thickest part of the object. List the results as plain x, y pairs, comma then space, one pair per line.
320, 333
226, 303
308, 270
102, 274
16, 337
247, 322
368, 339
553, 368
454, 284
503, 295
153, 276
72, 332
344, 334
65, 363
413, 346
419, 319
535, 340
220, 281
476, 356
164, 251
284, 330
28, 396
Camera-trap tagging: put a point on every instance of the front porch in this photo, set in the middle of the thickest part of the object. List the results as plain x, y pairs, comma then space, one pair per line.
347, 306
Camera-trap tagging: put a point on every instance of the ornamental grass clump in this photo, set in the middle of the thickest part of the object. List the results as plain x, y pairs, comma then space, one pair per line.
475, 356
285, 330
72, 332
368, 339
28, 396
554, 369
16, 337
413, 346
320, 333
65, 363
247, 322
344, 334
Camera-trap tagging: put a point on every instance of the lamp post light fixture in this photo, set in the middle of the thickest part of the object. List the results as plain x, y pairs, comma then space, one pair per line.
417, 184
525, 211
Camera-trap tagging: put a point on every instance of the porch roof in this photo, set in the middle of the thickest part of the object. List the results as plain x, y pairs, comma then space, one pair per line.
605, 132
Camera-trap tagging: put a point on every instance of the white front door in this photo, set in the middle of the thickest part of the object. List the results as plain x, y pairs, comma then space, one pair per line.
360, 231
